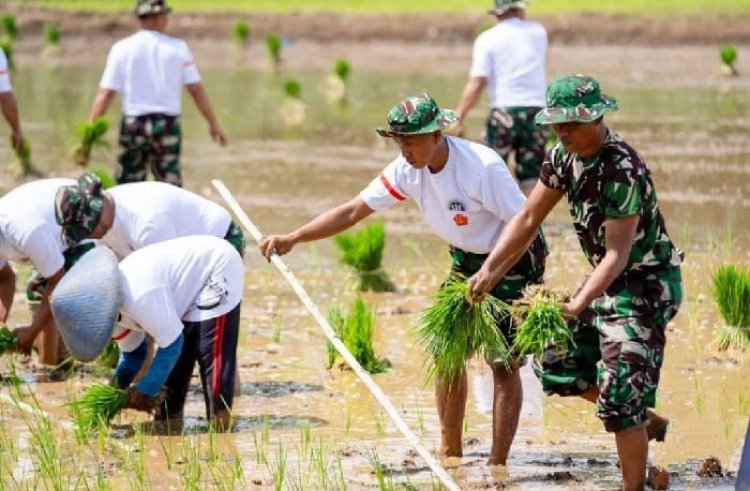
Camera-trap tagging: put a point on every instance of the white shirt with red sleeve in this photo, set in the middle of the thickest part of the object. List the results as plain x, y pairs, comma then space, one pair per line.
149, 69
467, 203
4, 74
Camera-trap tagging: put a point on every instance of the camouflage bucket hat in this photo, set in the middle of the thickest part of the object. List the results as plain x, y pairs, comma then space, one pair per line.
151, 7
78, 208
502, 6
575, 98
417, 115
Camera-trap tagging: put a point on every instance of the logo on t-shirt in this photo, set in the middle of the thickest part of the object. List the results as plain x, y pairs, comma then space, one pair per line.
459, 218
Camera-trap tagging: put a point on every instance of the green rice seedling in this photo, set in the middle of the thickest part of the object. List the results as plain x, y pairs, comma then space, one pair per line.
540, 323
276, 336
51, 34
241, 32
379, 471
420, 417
356, 331
108, 180
348, 425
292, 89
699, 399
743, 402
342, 69
138, 458
340, 477
379, 424
731, 290
10, 27
91, 134
728, 56
278, 468
274, 45
21, 165
191, 463
109, 357
363, 251
6, 44
454, 329
99, 405
8, 339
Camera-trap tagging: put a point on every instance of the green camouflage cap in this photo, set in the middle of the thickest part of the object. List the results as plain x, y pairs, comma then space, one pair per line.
575, 98
417, 115
502, 6
78, 208
151, 7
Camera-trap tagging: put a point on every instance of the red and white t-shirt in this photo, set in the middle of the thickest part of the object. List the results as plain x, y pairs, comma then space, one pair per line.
148, 69
467, 203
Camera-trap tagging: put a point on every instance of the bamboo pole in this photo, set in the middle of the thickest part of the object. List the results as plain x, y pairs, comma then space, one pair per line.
336, 342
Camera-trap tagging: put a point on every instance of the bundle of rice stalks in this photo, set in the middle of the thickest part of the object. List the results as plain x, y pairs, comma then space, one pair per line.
342, 69
355, 330
728, 55
273, 47
455, 329
110, 356
10, 28
91, 134
363, 251
731, 290
106, 177
540, 323
51, 34
21, 165
241, 32
8, 339
99, 405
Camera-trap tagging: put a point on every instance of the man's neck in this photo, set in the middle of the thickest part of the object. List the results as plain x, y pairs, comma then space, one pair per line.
440, 157
596, 146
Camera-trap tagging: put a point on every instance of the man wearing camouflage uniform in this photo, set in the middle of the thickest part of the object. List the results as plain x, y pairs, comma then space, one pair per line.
509, 59
623, 307
467, 196
149, 69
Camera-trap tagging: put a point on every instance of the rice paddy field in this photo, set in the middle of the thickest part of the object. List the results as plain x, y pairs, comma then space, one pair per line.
302, 426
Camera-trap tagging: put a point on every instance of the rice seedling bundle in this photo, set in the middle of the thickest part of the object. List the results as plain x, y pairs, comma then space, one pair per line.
8, 339
273, 47
10, 28
99, 404
106, 177
455, 329
241, 32
91, 134
540, 323
292, 88
51, 34
363, 251
22, 165
728, 55
342, 69
110, 356
731, 290
356, 331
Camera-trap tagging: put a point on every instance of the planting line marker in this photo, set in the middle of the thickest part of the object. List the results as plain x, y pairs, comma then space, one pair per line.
336, 342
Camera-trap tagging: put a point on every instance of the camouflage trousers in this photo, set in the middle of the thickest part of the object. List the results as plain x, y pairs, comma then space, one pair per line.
154, 139
619, 347
235, 237
513, 130
36, 283
528, 270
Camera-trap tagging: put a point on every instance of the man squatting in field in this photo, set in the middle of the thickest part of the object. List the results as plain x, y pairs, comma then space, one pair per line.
185, 293
509, 59
149, 69
621, 310
467, 196
8, 105
34, 236
129, 217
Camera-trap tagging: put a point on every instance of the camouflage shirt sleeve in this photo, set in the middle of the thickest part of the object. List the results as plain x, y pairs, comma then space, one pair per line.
551, 174
622, 193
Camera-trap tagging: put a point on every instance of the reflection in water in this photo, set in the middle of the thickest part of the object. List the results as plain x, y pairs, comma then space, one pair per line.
277, 389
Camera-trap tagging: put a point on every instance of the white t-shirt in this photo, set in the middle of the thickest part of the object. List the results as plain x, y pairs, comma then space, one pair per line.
4, 73
28, 229
151, 212
512, 57
149, 69
188, 279
467, 203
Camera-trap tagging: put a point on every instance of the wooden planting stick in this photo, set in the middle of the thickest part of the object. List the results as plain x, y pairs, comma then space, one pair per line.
336, 342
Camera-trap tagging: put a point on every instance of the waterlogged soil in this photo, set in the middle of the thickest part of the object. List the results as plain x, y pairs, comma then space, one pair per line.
688, 121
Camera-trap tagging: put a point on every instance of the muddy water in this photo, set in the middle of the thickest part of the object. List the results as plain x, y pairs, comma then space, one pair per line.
692, 128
